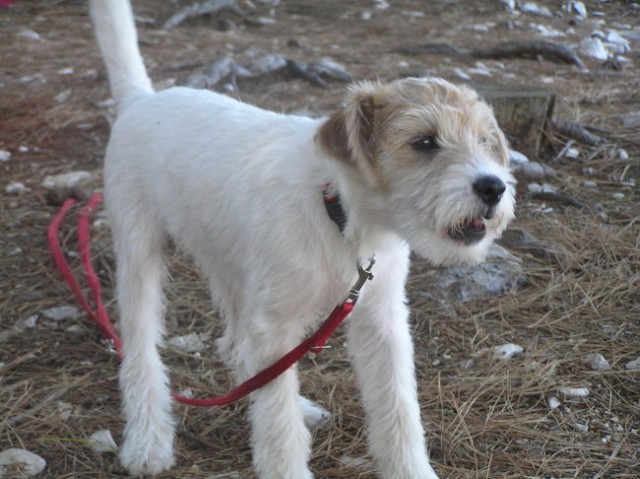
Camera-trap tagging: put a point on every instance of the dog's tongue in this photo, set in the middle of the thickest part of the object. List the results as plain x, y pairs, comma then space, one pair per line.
476, 224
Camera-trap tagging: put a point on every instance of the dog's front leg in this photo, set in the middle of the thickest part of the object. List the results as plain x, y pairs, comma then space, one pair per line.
382, 351
281, 443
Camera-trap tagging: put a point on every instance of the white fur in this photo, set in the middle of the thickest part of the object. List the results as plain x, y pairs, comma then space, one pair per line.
240, 190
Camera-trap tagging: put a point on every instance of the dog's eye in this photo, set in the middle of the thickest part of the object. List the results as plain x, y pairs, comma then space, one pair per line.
426, 143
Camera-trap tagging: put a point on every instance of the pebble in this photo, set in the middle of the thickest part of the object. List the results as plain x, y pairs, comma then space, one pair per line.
29, 35
59, 313
590, 185
102, 441
572, 153
15, 188
507, 351
597, 362
517, 158
20, 461
617, 196
633, 365
5, 155
623, 155
594, 48
573, 392
578, 8
191, 343
66, 180
535, 9
581, 427
553, 402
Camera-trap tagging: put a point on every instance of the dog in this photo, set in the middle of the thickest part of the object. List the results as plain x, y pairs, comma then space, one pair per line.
418, 164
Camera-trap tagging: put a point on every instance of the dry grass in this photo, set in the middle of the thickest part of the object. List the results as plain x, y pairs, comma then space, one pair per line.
485, 417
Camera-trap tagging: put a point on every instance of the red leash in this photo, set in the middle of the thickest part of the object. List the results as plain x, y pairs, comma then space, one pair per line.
314, 343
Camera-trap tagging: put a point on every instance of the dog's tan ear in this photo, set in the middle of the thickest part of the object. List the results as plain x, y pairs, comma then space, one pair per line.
348, 134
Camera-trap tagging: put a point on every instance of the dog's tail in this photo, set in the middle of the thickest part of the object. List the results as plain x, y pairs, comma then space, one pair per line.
118, 41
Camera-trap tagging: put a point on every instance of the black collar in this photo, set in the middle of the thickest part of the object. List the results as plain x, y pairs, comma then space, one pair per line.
334, 207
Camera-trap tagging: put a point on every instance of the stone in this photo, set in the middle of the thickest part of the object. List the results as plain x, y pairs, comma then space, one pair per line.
102, 441
501, 273
60, 313
191, 343
18, 463
507, 351
597, 362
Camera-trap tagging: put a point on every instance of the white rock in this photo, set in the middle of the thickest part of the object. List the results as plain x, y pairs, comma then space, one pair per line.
618, 43
623, 155
594, 48
461, 74
581, 427
23, 149
381, 4
5, 155
66, 180
633, 365
507, 351
102, 441
515, 157
59, 313
590, 185
546, 31
578, 8
510, 4
573, 392
15, 188
572, 153
535, 9
597, 362
29, 35
191, 343
366, 16
553, 402
66, 71
617, 196
20, 463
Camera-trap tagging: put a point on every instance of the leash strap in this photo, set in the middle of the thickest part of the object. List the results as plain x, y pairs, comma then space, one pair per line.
314, 343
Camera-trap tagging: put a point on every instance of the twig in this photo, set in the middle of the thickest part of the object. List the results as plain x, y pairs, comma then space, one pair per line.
523, 49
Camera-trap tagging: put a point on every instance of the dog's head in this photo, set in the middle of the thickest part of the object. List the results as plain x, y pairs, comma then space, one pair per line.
432, 162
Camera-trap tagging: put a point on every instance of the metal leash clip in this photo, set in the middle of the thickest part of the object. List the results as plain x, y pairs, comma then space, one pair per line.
364, 275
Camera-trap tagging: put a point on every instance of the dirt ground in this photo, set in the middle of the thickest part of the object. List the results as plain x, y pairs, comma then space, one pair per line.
486, 418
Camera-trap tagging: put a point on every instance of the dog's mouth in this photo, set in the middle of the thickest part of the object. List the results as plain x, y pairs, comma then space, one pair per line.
468, 232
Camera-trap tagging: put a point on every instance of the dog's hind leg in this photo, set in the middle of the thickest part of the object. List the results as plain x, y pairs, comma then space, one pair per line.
149, 431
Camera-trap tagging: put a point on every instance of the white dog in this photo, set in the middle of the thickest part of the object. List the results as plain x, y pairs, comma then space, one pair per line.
417, 163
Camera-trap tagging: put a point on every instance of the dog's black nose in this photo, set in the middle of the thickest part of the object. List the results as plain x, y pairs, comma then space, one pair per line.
489, 189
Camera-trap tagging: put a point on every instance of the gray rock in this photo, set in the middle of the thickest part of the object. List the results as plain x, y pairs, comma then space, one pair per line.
501, 273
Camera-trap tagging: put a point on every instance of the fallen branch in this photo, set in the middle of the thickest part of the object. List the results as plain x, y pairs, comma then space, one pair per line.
197, 9
520, 49
575, 131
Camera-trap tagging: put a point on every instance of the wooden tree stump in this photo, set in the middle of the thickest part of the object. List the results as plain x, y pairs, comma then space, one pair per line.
524, 113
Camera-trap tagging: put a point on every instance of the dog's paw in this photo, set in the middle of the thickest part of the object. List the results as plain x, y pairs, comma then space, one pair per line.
313, 414
152, 457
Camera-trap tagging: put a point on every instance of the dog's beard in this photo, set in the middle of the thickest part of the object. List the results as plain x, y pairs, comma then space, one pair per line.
451, 228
